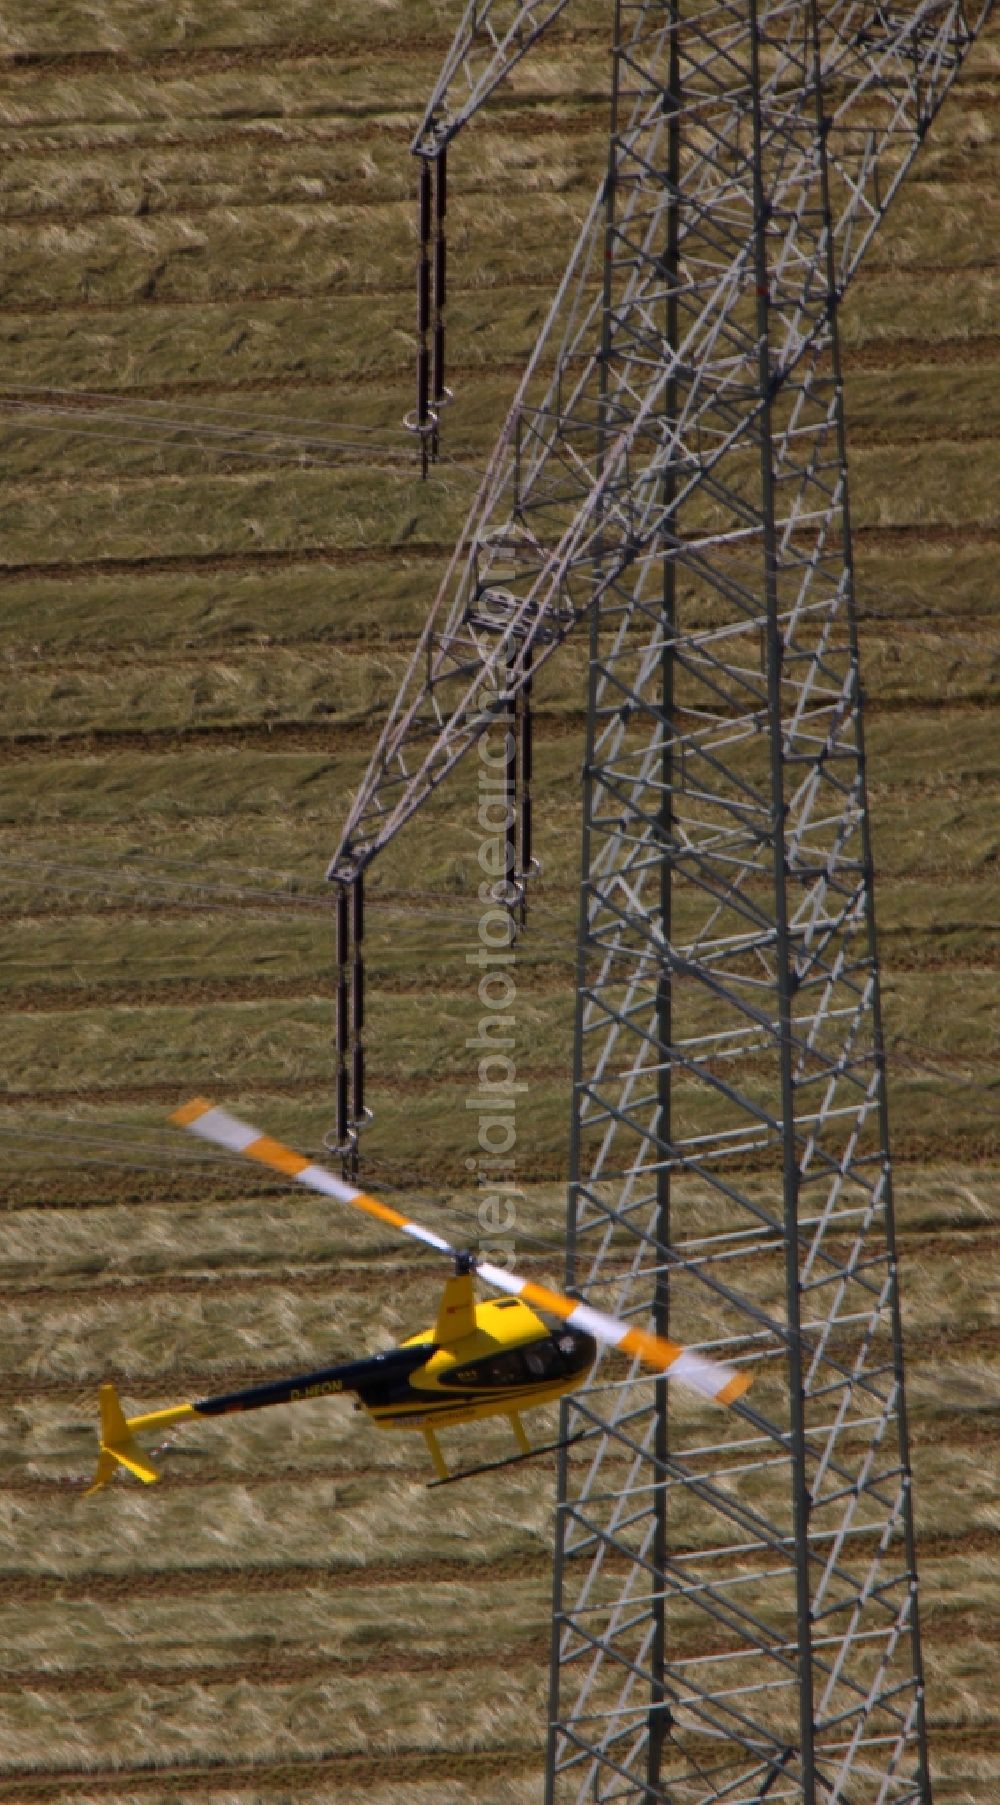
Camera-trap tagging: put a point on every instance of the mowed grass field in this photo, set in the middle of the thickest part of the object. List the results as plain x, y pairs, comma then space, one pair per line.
207, 213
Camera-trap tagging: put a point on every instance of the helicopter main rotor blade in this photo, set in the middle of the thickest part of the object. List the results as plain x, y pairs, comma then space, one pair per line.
709, 1377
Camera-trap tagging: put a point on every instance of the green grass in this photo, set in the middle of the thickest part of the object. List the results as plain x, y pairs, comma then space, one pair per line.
318, 508
48, 964
247, 1042
311, 685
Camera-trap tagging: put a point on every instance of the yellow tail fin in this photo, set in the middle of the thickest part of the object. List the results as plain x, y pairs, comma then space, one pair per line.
117, 1447
114, 1428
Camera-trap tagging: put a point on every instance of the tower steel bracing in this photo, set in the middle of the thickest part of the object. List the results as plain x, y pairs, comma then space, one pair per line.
735, 1613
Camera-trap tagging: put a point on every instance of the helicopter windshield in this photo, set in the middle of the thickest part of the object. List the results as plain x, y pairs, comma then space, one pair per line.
552, 1357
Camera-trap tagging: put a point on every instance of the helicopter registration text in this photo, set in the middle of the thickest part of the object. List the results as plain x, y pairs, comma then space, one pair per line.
317, 1391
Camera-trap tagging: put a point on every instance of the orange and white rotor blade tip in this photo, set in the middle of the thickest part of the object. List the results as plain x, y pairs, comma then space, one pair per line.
709, 1377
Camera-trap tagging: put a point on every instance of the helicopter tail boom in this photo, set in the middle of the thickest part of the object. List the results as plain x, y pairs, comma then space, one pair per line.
373, 1378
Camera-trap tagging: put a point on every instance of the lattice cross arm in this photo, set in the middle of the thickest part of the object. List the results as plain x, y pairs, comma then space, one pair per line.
493, 36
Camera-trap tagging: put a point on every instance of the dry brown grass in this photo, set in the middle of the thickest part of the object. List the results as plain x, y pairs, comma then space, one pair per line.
290, 1561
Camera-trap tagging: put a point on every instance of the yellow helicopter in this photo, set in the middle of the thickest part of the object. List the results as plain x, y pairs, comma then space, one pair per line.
477, 1360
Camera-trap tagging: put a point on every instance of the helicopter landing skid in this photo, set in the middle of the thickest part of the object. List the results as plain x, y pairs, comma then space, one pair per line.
513, 1460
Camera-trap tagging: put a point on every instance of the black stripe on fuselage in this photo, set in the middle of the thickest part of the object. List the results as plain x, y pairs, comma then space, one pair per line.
377, 1377
414, 1402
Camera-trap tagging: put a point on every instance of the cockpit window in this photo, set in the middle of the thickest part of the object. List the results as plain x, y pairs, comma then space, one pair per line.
552, 1357
545, 1361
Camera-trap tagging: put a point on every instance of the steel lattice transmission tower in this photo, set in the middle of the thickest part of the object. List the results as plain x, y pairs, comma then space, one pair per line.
735, 1614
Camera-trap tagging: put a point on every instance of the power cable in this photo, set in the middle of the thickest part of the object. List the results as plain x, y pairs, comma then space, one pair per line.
15, 390
156, 1157
302, 445
165, 444
101, 875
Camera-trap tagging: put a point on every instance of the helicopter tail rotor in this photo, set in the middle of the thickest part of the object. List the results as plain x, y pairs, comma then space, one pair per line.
117, 1448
